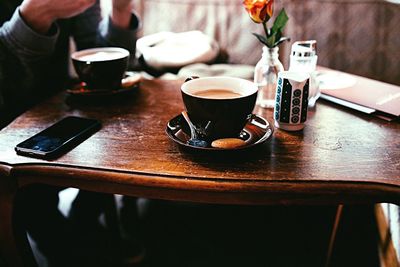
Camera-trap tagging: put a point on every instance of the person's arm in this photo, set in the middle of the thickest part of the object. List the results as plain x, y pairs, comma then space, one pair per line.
121, 13
117, 29
41, 14
27, 40
20, 50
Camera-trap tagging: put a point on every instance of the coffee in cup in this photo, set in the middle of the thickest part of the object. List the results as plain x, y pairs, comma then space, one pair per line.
219, 107
101, 68
218, 93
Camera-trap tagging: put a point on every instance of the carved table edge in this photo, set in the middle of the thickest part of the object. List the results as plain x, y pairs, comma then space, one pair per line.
366, 191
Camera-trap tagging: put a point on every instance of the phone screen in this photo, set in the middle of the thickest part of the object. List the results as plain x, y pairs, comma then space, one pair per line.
63, 134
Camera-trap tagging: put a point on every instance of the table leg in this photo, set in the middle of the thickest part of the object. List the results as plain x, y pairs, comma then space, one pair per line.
14, 244
333, 234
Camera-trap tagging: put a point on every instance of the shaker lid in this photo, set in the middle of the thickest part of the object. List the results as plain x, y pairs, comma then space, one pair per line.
304, 48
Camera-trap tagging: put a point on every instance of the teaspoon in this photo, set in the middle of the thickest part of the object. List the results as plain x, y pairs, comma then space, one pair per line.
194, 140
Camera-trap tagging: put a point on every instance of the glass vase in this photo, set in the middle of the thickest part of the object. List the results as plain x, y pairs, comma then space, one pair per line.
265, 76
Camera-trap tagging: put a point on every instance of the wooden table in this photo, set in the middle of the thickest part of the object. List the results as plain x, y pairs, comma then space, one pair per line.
340, 157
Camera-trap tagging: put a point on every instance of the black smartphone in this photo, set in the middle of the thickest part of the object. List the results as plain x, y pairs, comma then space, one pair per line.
58, 138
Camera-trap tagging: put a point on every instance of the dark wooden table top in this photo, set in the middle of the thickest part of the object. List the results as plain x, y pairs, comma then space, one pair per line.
341, 156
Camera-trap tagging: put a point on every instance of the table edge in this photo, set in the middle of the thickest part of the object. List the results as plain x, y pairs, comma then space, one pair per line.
208, 190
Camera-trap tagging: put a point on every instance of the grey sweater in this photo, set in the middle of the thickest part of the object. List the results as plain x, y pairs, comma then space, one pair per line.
33, 66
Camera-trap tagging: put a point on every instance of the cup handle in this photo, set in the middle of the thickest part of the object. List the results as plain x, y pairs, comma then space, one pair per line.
255, 120
191, 78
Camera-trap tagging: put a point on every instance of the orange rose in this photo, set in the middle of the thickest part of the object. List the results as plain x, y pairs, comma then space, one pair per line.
259, 10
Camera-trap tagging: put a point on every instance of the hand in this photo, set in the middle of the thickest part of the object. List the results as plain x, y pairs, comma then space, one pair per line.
40, 14
121, 13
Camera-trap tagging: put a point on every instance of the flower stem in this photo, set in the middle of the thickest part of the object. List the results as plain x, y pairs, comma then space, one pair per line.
265, 28
266, 31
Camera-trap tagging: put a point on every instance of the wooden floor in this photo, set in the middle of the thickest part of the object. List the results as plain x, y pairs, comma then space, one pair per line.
181, 234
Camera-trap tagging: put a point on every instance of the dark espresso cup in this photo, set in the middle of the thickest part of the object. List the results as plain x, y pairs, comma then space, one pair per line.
101, 68
219, 107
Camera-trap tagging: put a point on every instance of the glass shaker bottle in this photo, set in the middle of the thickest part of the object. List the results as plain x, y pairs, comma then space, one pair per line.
303, 58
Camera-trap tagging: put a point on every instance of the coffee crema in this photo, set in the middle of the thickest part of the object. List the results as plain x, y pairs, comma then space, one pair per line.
217, 94
101, 56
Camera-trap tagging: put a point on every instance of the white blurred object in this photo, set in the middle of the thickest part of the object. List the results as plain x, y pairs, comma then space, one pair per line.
332, 80
392, 213
394, 1
106, 7
303, 58
66, 196
174, 50
204, 70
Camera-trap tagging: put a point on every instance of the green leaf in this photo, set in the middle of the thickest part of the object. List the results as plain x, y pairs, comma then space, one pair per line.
280, 21
272, 38
261, 38
281, 40
271, 41
274, 35
278, 35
